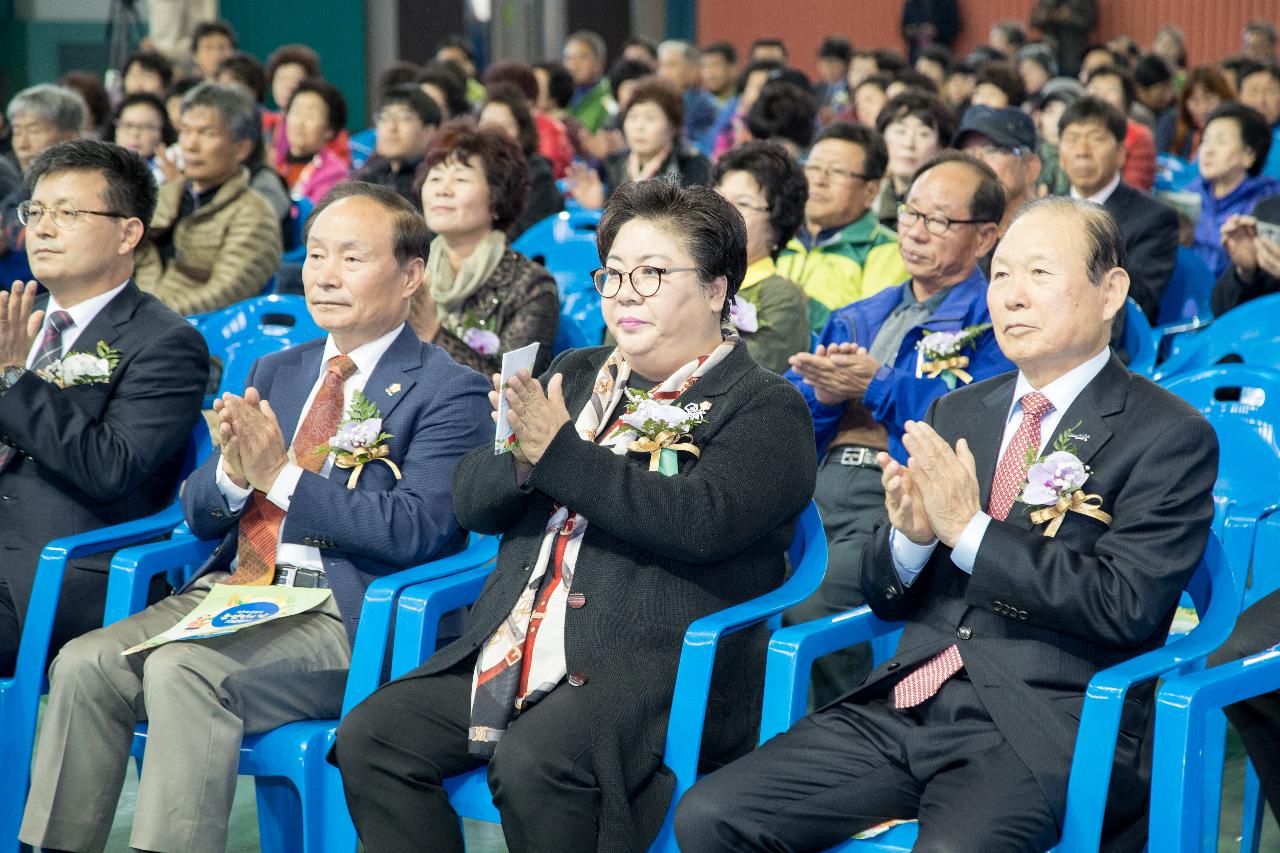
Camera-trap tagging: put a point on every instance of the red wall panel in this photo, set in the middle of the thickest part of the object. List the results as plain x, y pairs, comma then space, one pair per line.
1212, 27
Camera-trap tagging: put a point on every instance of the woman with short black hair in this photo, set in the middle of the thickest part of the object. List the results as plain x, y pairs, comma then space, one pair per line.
562, 681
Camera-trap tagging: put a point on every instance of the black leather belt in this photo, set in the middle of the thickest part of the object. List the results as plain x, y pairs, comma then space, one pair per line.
854, 456
287, 575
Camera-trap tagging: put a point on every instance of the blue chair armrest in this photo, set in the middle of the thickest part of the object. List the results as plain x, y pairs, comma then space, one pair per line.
792, 652
133, 568
1100, 723
379, 607
1183, 707
419, 612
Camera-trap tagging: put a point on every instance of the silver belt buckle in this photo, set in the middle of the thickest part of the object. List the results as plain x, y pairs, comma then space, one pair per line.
287, 575
853, 456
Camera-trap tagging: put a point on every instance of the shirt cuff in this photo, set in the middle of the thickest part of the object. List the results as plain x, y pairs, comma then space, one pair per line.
282, 489
965, 554
235, 496
908, 557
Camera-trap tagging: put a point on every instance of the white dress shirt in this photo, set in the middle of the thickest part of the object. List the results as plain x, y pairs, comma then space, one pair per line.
909, 558
1100, 197
81, 316
366, 357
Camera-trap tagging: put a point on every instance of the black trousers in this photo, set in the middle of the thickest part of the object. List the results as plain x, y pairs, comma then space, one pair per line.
850, 767
851, 501
1257, 719
396, 748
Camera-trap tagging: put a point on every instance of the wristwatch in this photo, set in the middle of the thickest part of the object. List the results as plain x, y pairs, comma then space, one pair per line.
10, 377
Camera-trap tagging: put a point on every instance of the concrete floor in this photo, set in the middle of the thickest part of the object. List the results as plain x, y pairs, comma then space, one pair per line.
487, 838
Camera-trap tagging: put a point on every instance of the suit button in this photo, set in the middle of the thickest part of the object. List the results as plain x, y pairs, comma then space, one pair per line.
890, 592
1022, 614
892, 666
578, 679
577, 600
964, 632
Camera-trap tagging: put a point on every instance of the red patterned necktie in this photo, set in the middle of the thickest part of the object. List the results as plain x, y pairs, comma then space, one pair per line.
50, 349
925, 680
260, 524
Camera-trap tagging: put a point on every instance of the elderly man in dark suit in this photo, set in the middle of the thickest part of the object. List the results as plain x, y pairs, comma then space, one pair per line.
79, 454
971, 726
1091, 151
288, 514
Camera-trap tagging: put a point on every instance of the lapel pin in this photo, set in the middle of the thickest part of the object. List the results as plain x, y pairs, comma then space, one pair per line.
1079, 436
393, 390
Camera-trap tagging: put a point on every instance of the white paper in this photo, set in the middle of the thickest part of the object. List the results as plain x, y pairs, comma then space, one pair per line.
512, 362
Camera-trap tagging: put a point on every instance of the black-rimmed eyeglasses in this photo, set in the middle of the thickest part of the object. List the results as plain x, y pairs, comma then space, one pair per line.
645, 280
935, 223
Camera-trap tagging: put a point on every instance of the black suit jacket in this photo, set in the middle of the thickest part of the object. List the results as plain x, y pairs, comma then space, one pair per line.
98, 454
1150, 231
659, 553
1039, 616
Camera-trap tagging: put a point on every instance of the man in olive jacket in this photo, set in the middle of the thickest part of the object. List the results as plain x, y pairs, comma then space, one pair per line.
213, 240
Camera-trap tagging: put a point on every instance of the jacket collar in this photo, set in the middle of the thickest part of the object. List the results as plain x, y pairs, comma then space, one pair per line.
1101, 399
863, 231
108, 325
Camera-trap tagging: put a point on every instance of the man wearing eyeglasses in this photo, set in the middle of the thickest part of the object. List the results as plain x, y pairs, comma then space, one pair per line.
842, 252
406, 121
86, 444
868, 375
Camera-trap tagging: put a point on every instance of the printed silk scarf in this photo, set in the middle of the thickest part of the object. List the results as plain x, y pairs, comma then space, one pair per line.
449, 289
524, 659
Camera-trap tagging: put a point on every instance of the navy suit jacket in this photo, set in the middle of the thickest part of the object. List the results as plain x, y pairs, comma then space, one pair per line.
98, 454
440, 411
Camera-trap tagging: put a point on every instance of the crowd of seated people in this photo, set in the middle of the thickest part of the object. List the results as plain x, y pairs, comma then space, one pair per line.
774, 251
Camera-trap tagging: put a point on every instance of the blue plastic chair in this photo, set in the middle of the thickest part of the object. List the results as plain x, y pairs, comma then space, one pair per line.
1137, 340
1248, 333
1174, 174
1242, 402
295, 249
422, 606
1187, 301
1186, 708
242, 333
570, 335
20, 694
565, 244
363, 146
1215, 588
301, 806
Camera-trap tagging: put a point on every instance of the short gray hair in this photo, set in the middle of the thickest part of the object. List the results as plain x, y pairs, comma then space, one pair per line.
591, 40
240, 113
1104, 242
690, 51
56, 104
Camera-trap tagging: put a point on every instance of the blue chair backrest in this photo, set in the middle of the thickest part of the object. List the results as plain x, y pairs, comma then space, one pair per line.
581, 308
283, 317
1242, 402
566, 245
1137, 340
1173, 174
1248, 333
363, 145
1190, 290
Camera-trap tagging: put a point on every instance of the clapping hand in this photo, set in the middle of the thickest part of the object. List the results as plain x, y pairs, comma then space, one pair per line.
837, 372
253, 447
903, 502
19, 323
535, 417
945, 480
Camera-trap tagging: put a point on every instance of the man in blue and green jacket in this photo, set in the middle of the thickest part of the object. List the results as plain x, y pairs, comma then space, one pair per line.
875, 368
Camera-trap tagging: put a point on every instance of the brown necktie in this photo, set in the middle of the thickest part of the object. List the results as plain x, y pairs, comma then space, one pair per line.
260, 524
927, 679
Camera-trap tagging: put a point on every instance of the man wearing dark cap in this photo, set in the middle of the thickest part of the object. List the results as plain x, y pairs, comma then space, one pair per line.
1004, 139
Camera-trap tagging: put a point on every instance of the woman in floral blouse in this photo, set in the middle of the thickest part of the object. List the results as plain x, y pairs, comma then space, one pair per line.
482, 298
769, 189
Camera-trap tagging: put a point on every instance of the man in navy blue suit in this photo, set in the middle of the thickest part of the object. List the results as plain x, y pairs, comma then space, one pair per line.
289, 511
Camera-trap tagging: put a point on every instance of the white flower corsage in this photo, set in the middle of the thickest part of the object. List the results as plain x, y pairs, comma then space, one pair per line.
940, 356
360, 439
743, 315
1055, 481
82, 368
660, 429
